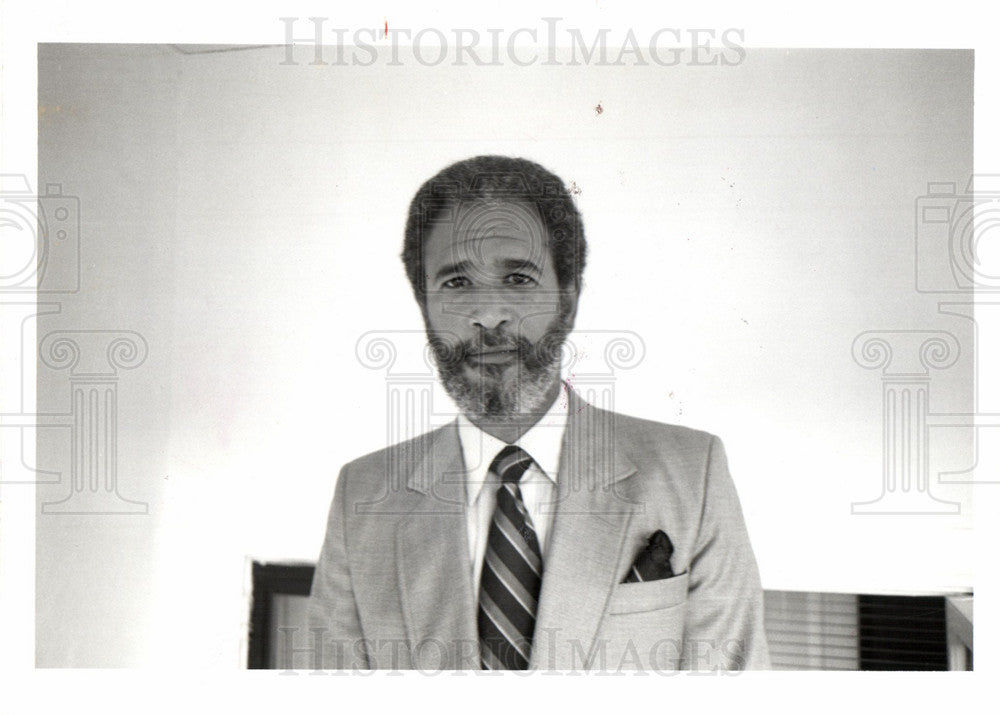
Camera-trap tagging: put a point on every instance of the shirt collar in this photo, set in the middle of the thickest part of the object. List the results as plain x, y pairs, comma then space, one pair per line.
543, 442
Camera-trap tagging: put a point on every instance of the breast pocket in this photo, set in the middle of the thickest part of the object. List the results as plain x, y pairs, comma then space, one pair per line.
649, 595
643, 628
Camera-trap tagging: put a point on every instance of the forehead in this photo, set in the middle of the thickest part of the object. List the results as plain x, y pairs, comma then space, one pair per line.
481, 231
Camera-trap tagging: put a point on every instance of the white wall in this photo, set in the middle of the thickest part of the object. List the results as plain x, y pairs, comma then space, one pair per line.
245, 218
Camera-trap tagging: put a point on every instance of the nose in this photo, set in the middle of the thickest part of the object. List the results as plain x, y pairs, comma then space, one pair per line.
490, 315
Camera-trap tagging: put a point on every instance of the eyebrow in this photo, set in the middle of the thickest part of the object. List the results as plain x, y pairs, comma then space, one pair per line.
450, 268
509, 264
521, 264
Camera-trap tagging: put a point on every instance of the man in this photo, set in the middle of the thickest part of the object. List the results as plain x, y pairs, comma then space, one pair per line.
534, 531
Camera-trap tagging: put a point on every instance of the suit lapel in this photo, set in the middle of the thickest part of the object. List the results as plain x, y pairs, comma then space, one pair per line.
433, 560
585, 548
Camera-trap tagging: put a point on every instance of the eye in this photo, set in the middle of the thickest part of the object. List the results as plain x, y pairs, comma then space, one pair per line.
519, 279
457, 282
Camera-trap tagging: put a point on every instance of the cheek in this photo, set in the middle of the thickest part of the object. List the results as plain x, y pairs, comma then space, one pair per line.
453, 311
443, 319
534, 323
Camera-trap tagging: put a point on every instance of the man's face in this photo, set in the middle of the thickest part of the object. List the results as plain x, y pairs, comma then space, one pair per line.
495, 316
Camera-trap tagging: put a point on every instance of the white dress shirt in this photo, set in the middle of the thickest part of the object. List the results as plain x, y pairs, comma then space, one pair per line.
538, 485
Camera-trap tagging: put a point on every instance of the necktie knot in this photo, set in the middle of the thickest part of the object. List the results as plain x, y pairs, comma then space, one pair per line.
511, 464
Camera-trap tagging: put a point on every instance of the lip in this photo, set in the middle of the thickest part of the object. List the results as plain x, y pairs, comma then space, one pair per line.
493, 357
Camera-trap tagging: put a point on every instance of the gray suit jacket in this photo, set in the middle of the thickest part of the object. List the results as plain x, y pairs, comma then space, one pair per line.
393, 587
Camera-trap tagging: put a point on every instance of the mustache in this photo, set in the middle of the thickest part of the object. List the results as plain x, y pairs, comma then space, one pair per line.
448, 354
488, 341
493, 340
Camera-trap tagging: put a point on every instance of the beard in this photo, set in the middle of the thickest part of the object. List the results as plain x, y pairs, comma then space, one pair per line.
502, 392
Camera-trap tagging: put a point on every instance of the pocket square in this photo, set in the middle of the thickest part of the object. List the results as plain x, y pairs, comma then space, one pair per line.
653, 563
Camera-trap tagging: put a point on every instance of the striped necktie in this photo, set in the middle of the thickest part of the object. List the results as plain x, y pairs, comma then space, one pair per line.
512, 572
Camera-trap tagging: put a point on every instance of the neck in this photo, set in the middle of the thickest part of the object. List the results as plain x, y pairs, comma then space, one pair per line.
512, 428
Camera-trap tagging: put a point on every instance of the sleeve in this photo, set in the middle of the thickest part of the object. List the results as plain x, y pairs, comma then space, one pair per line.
332, 613
724, 626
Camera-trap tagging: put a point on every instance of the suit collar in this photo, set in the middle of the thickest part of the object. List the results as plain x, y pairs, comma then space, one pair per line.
592, 445
589, 438
437, 462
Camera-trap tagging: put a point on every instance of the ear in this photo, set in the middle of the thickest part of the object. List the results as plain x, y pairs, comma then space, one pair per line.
571, 298
421, 299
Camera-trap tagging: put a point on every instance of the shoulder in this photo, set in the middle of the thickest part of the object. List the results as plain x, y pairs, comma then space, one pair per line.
675, 436
639, 435
395, 463
683, 470
406, 450
665, 456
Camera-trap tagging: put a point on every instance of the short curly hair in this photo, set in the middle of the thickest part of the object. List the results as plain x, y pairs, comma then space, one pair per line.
499, 178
